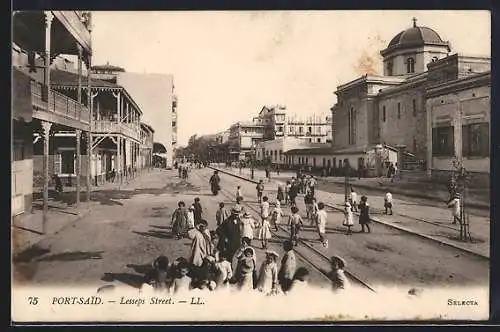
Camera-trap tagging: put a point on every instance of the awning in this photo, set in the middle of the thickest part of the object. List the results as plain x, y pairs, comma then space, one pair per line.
22, 108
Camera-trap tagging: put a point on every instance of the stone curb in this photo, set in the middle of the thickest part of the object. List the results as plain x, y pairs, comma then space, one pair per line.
403, 229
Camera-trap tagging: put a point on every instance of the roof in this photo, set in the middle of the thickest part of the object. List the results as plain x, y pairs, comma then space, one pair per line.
145, 125
66, 78
348, 150
415, 36
108, 67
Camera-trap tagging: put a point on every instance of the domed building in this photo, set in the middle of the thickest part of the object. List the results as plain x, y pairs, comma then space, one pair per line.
428, 108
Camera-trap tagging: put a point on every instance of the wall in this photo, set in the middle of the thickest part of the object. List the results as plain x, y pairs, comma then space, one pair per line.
451, 108
22, 186
396, 131
154, 94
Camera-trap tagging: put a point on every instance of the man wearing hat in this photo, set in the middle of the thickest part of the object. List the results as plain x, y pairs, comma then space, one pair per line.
230, 234
339, 280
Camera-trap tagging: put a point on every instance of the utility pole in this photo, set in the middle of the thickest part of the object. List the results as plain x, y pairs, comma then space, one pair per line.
346, 180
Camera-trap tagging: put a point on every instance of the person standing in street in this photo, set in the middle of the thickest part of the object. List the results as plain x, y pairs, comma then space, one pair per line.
348, 218
454, 205
190, 217
364, 215
198, 210
239, 194
221, 214
295, 222
388, 203
260, 191
337, 275
201, 245
247, 224
321, 219
354, 200
229, 234
179, 220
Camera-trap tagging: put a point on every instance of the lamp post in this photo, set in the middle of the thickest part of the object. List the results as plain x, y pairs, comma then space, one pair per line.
346, 180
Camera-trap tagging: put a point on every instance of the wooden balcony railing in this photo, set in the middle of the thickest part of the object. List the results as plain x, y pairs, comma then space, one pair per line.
109, 127
58, 103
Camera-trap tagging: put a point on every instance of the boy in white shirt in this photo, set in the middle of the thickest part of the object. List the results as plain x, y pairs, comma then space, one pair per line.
354, 200
388, 203
454, 204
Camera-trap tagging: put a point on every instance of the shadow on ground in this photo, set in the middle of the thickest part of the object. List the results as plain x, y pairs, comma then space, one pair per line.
131, 279
111, 196
72, 256
157, 234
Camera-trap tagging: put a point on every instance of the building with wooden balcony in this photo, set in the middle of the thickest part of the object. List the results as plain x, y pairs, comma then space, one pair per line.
154, 93
39, 112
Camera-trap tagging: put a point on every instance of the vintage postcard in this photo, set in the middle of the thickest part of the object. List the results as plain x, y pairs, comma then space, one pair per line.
250, 166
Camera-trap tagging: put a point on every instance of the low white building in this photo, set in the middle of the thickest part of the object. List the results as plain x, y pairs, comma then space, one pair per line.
274, 150
375, 159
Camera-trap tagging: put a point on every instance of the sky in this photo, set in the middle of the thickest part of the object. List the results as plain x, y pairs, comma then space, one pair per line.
228, 64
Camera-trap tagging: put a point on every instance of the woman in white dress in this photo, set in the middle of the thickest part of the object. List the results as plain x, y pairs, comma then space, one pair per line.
268, 275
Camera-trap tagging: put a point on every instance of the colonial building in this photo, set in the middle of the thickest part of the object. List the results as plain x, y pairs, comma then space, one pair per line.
276, 124
154, 94
39, 111
396, 109
243, 139
273, 151
146, 147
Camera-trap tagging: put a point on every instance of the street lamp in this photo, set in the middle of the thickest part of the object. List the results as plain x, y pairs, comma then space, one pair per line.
346, 180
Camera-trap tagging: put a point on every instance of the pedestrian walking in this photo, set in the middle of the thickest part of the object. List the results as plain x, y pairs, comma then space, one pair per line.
239, 194
276, 216
288, 266
264, 208
287, 192
179, 220
221, 214
268, 274
281, 193
308, 202
388, 203
264, 232
321, 220
364, 215
198, 210
260, 191
238, 206
337, 275
348, 218
201, 245
454, 205
292, 194
295, 222
190, 217
229, 234
312, 185
247, 224
180, 171
354, 200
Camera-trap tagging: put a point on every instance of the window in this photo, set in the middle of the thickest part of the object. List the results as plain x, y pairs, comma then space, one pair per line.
314, 161
399, 111
280, 128
68, 162
443, 142
174, 123
352, 126
410, 65
435, 58
324, 162
307, 160
300, 130
340, 163
475, 140
414, 105
309, 129
246, 131
318, 140
18, 149
383, 113
389, 68
310, 140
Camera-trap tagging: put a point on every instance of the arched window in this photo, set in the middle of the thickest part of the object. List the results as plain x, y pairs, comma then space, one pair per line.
410, 65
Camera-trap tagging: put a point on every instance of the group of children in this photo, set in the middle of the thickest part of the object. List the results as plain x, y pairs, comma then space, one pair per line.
184, 219
217, 273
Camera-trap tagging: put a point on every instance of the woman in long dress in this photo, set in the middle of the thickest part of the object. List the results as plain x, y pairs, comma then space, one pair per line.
179, 220
364, 214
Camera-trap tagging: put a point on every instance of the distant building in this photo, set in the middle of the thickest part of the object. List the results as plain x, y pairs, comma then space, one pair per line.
154, 93
243, 139
276, 123
273, 151
417, 105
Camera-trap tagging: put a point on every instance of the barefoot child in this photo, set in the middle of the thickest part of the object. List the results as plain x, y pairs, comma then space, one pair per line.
321, 218
295, 222
276, 216
388, 203
348, 217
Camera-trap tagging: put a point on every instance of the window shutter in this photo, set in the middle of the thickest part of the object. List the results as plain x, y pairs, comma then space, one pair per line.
465, 141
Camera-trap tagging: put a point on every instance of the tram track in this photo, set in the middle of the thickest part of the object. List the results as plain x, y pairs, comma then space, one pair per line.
313, 257
340, 208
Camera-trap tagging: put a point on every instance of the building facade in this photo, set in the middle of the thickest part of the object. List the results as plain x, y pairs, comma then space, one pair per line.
154, 93
243, 139
273, 151
39, 112
396, 109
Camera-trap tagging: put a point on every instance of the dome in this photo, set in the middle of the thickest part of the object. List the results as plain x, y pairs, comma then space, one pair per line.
416, 36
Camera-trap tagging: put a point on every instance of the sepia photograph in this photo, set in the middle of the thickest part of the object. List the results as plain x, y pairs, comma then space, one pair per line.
244, 166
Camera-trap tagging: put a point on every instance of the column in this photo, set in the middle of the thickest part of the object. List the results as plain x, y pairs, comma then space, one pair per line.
78, 132
90, 143
457, 133
46, 137
48, 24
118, 96
78, 166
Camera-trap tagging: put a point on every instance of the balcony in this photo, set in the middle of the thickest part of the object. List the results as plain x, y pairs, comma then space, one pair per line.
112, 127
59, 109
